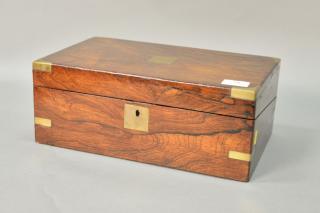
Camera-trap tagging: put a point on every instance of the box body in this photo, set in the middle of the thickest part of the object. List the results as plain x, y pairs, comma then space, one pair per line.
157, 104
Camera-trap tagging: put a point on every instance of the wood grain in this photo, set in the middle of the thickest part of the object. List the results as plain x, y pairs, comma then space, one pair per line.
122, 69
194, 122
166, 93
192, 65
263, 124
177, 138
268, 91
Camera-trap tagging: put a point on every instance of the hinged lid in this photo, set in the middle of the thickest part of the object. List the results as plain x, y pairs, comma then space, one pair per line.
195, 79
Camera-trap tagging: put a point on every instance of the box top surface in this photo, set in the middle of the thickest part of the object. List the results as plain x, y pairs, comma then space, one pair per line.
171, 63
188, 78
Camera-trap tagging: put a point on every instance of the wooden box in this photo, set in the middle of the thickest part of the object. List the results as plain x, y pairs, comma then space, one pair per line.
191, 109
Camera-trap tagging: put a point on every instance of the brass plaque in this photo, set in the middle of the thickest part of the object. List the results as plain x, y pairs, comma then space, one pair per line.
136, 117
42, 121
158, 59
42, 66
244, 93
239, 156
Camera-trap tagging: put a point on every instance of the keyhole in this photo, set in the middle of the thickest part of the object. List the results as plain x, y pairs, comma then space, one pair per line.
137, 113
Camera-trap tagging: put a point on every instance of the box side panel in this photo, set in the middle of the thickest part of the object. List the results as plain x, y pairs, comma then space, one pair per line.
182, 139
155, 91
268, 91
262, 132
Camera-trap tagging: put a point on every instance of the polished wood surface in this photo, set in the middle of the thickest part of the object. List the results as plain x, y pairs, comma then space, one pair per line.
195, 123
123, 69
268, 91
195, 66
263, 124
184, 96
177, 138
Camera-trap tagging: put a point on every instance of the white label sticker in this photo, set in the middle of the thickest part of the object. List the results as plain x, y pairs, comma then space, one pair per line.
235, 83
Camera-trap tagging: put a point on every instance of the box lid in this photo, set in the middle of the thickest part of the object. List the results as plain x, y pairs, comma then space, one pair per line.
196, 79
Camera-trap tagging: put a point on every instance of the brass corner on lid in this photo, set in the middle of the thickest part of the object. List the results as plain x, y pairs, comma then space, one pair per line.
42, 122
244, 93
239, 156
43, 66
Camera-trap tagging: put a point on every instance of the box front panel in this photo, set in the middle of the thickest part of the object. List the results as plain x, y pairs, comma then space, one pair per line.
188, 140
216, 100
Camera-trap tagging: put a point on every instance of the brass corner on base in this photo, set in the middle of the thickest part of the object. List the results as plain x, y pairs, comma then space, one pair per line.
255, 137
239, 156
42, 122
244, 93
42, 66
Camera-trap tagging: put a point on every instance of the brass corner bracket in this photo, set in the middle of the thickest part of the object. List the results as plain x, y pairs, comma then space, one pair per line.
244, 93
255, 137
42, 122
42, 66
239, 156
